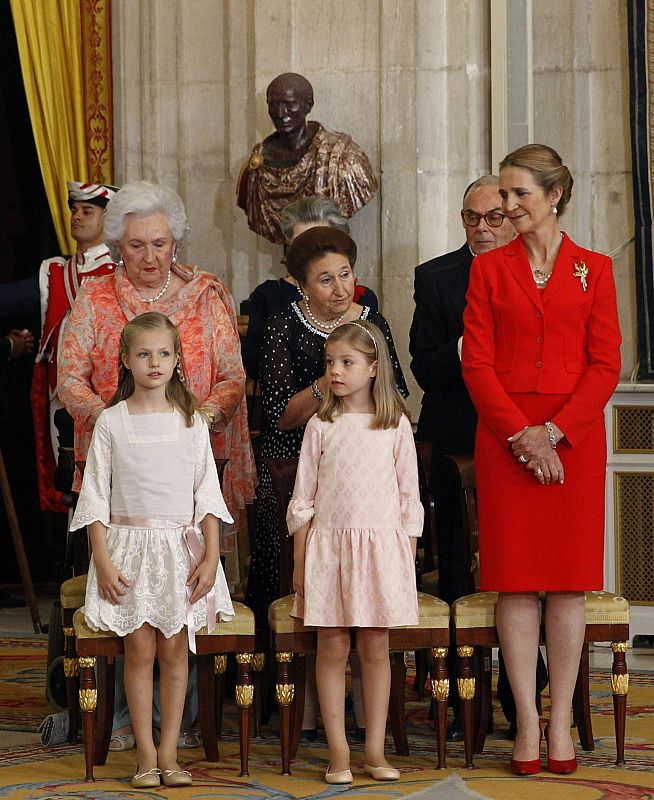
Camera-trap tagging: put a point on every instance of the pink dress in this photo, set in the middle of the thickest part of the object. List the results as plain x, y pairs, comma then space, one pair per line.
359, 488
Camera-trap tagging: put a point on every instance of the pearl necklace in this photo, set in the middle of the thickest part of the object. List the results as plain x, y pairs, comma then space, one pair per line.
161, 293
328, 326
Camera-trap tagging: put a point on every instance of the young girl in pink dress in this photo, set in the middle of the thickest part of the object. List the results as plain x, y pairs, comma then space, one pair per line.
355, 515
152, 501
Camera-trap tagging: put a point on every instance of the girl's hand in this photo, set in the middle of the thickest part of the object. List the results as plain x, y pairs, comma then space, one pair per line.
203, 579
298, 579
111, 582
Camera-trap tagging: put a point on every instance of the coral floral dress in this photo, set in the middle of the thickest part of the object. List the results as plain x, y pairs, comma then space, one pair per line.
359, 488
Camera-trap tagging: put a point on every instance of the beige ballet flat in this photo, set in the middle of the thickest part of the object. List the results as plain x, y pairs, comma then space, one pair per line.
176, 777
344, 776
147, 780
382, 773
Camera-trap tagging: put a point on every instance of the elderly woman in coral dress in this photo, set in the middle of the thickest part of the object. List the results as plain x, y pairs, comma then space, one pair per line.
144, 229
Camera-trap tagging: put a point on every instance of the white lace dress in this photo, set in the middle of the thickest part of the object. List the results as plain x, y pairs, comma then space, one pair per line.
151, 480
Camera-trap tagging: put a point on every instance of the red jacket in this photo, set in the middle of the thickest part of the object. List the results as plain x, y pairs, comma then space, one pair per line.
557, 340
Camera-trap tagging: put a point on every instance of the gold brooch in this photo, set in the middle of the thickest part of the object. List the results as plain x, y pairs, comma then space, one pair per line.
256, 161
581, 271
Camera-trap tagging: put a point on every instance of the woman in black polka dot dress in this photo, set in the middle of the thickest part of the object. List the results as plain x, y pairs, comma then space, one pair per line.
293, 380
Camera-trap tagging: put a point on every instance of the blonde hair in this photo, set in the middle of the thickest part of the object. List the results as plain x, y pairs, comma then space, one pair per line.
176, 391
368, 340
547, 168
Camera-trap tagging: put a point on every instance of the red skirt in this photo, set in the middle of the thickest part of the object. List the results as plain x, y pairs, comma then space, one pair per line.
535, 537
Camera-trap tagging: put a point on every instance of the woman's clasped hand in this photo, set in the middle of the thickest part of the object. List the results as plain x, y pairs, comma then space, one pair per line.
532, 447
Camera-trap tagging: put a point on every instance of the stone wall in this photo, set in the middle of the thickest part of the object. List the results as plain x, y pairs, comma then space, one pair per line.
409, 80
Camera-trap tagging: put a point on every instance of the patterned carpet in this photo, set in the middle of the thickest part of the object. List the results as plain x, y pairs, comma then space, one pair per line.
35, 773
22, 682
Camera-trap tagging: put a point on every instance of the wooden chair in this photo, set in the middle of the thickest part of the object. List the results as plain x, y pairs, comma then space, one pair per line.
96, 697
292, 638
607, 620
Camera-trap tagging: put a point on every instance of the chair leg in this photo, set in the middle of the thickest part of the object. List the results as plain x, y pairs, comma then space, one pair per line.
88, 698
581, 702
258, 665
483, 705
207, 703
297, 716
106, 680
396, 704
244, 693
71, 672
440, 690
285, 692
466, 687
422, 669
619, 687
220, 668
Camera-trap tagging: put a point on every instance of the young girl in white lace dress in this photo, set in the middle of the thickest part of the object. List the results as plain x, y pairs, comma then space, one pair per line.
152, 503
355, 515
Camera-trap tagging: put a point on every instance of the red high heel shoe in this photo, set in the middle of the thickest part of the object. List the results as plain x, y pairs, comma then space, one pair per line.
527, 767
559, 766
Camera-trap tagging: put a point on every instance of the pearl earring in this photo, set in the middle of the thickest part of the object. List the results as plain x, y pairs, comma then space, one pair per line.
555, 210
180, 374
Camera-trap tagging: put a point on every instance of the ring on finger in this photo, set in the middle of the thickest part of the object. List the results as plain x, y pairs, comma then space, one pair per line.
522, 459
539, 471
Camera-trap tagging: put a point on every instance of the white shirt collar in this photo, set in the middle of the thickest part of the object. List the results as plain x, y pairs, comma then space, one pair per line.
93, 257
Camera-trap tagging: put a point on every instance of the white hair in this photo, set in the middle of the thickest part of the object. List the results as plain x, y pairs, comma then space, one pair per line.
143, 199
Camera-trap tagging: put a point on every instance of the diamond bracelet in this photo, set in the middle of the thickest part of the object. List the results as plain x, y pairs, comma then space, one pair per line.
550, 434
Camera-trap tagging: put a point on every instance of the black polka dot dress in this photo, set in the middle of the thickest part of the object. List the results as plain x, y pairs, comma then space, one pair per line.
292, 357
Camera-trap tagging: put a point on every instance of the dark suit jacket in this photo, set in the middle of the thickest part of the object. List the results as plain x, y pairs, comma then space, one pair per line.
448, 417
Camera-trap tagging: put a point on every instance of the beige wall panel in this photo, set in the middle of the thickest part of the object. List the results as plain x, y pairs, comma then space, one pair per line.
409, 81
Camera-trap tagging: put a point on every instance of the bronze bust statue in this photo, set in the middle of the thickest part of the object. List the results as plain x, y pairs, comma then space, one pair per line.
300, 159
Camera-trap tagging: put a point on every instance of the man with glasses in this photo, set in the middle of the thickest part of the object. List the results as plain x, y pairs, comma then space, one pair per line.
448, 419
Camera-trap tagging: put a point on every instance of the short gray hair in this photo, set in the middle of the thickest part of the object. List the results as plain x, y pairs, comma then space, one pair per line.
485, 180
313, 210
143, 199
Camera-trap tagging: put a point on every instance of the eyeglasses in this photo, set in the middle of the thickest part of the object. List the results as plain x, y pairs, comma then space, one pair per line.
471, 219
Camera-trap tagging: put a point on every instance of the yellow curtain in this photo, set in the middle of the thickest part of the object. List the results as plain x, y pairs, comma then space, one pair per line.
50, 49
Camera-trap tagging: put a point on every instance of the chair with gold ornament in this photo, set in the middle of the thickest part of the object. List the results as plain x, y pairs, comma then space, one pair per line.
607, 620
99, 649
292, 640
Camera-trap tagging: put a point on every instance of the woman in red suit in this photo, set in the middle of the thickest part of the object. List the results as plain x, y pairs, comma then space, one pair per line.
541, 357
